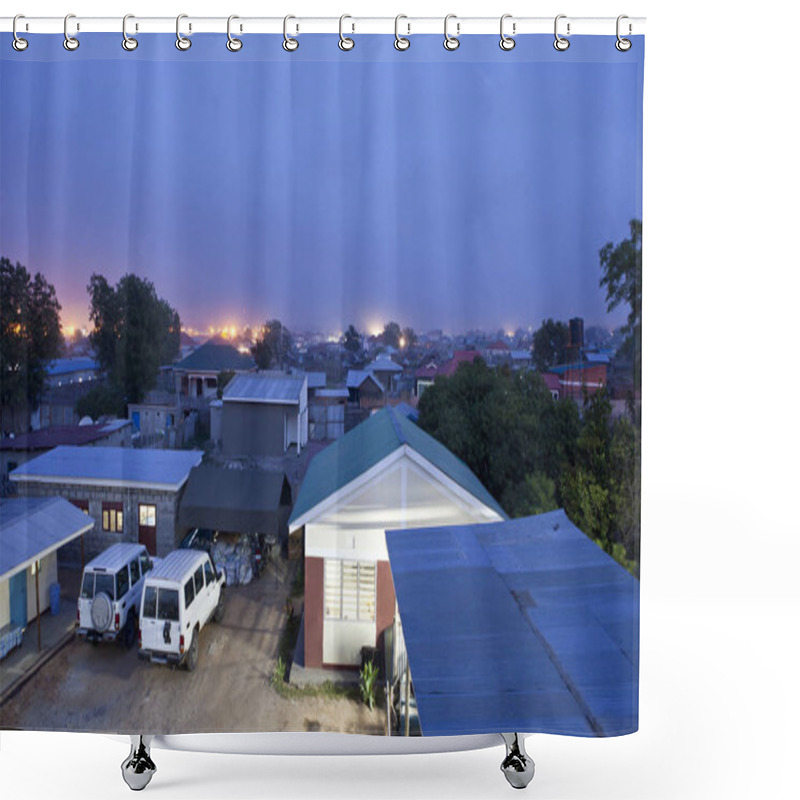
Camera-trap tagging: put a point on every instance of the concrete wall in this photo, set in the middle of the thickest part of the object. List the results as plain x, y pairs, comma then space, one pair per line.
97, 540
404, 495
258, 429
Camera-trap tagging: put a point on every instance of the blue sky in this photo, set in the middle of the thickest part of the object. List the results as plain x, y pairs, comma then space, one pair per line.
443, 190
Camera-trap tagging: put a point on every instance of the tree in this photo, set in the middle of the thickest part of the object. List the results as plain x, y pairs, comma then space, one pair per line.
223, 379
622, 278
30, 337
550, 345
352, 340
533, 495
391, 335
409, 337
99, 401
273, 346
135, 332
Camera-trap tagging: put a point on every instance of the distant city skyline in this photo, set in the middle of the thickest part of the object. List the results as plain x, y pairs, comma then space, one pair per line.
298, 188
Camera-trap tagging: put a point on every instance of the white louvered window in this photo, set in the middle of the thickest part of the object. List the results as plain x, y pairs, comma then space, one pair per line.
349, 590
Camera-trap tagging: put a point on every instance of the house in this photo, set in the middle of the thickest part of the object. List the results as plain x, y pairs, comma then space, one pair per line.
424, 377
159, 420
327, 410
459, 357
196, 375
385, 370
64, 371
524, 624
577, 379
553, 384
32, 532
264, 413
131, 494
19, 449
365, 390
385, 473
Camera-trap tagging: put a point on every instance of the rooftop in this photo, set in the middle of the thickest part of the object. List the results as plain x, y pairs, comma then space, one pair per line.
215, 356
265, 387
32, 527
177, 565
66, 366
111, 466
570, 612
368, 444
356, 377
54, 435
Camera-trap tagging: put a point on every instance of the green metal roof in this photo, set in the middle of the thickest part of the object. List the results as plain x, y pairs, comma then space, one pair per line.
367, 445
216, 357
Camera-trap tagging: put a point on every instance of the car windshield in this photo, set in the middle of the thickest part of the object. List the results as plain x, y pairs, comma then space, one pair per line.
168, 604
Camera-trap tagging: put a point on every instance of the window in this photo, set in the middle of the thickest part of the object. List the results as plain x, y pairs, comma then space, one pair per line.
122, 582
135, 571
112, 517
95, 583
149, 605
188, 593
147, 516
209, 574
349, 590
147, 564
168, 604
83, 505
198, 579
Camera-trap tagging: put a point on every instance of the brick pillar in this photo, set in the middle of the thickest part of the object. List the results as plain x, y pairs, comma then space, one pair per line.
314, 610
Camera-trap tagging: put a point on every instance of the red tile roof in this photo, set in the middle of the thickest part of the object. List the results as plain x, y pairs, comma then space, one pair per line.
459, 357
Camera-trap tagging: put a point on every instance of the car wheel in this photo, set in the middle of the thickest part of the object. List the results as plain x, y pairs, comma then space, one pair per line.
129, 636
219, 612
191, 656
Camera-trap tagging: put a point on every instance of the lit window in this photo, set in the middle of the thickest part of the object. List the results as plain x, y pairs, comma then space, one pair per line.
349, 590
112, 517
147, 516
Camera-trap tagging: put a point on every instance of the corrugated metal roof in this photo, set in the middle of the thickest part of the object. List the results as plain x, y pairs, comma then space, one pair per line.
30, 527
177, 565
383, 365
265, 387
66, 366
112, 466
369, 443
316, 380
235, 500
332, 393
215, 356
54, 435
524, 625
355, 377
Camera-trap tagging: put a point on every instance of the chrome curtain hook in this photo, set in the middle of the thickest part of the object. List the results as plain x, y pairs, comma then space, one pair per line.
345, 43
622, 44
70, 42
401, 42
450, 42
561, 44
181, 42
128, 42
18, 43
289, 43
233, 44
506, 42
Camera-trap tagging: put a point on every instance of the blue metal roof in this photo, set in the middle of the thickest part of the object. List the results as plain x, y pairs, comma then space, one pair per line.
31, 527
124, 466
524, 625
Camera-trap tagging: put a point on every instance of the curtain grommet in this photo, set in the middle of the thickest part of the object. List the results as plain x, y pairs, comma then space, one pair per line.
451, 43
561, 43
290, 44
622, 44
129, 43
183, 43
233, 44
18, 43
71, 43
507, 43
401, 43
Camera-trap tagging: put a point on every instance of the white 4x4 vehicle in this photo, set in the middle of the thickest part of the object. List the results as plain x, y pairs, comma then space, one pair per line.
111, 591
180, 595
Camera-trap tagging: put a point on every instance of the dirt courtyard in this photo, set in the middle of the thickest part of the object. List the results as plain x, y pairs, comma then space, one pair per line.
105, 688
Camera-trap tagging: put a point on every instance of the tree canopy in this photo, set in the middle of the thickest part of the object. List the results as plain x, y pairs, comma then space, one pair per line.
391, 334
352, 340
535, 454
135, 332
30, 335
550, 345
622, 279
273, 346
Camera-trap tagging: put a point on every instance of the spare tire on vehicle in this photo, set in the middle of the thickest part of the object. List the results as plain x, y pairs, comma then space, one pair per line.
102, 612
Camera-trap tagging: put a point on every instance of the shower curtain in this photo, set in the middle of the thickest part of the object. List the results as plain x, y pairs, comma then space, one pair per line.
362, 324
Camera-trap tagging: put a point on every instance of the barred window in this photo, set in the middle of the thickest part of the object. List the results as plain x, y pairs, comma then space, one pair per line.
349, 590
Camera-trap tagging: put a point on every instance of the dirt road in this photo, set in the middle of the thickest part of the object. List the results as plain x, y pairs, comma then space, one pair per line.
104, 688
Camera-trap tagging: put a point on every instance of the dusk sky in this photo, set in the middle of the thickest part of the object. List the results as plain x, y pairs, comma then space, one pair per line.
443, 190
